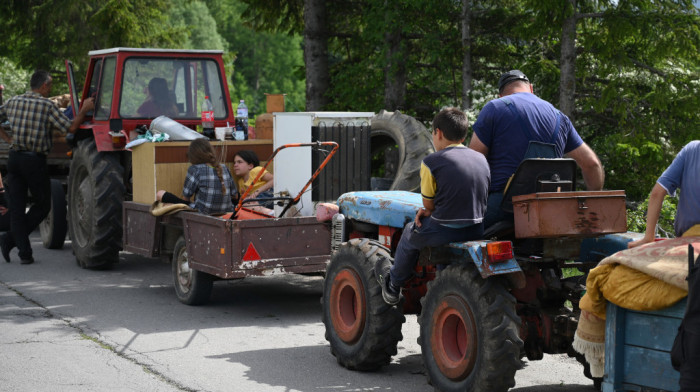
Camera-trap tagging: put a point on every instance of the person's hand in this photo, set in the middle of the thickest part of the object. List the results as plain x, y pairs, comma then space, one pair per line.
421, 213
637, 243
3, 210
88, 104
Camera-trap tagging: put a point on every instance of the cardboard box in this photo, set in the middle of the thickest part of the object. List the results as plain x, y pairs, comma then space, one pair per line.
566, 214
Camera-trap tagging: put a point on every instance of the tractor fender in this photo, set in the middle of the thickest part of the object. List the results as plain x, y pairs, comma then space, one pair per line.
475, 252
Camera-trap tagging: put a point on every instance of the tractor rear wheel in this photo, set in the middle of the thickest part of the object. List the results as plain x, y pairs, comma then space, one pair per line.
95, 194
362, 329
192, 287
469, 332
399, 143
54, 227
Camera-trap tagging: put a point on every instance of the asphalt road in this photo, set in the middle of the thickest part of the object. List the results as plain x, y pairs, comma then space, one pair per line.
63, 328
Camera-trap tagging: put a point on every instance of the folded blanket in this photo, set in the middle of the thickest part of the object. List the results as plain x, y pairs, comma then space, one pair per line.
649, 277
159, 208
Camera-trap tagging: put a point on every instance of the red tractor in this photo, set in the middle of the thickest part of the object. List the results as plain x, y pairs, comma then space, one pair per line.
100, 177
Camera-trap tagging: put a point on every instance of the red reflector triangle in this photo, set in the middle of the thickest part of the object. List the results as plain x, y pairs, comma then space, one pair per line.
251, 253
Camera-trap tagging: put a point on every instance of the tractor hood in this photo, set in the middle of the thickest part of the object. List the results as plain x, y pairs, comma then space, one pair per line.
385, 208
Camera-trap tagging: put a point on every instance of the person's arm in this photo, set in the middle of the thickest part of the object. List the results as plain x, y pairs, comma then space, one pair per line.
88, 105
268, 178
477, 145
656, 199
3, 118
591, 168
427, 210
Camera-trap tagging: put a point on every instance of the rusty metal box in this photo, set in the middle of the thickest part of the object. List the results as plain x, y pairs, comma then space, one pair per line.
562, 214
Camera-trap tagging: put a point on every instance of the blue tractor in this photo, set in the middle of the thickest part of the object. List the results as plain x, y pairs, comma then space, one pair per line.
482, 305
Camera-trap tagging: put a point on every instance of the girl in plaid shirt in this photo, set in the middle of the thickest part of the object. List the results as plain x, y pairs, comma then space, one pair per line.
208, 181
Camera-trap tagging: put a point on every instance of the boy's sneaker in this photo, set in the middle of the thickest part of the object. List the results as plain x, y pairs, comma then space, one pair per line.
390, 294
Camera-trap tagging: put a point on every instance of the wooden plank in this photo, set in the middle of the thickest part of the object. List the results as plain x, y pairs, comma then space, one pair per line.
143, 172
650, 369
650, 331
637, 346
614, 348
677, 310
176, 152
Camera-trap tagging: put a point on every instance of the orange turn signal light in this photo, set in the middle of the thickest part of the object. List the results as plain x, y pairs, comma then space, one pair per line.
499, 251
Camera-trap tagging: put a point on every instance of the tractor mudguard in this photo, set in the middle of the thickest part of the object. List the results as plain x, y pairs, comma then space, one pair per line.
598, 248
381, 208
476, 252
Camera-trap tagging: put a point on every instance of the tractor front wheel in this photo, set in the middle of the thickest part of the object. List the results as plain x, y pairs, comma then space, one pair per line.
362, 329
469, 332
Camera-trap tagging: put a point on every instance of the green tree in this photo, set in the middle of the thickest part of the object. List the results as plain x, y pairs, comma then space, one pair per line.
259, 62
15, 79
41, 34
192, 19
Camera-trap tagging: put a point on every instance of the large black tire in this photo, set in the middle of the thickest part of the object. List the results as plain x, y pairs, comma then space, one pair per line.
192, 287
391, 131
362, 329
54, 227
469, 332
95, 195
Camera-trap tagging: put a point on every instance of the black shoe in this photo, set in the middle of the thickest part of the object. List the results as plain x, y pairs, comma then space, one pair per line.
30, 260
390, 294
5, 246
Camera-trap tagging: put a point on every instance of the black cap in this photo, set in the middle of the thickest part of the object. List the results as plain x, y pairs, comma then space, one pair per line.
511, 76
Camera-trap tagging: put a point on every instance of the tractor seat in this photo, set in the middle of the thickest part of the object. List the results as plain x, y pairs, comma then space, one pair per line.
539, 175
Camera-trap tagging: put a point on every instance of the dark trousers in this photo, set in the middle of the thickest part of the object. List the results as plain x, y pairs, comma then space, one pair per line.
415, 238
494, 213
27, 171
171, 198
690, 369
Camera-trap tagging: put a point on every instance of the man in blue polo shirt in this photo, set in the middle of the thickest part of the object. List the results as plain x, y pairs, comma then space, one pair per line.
681, 174
454, 186
520, 125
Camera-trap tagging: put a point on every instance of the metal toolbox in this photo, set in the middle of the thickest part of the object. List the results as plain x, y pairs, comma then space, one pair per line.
561, 214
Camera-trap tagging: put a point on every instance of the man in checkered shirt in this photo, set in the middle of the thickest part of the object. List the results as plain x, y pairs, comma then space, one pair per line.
33, 119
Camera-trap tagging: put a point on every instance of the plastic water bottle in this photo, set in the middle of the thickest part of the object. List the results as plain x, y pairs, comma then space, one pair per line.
207, 118
242, 121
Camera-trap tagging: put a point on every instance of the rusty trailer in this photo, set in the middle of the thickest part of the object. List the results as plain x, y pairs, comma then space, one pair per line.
204, 247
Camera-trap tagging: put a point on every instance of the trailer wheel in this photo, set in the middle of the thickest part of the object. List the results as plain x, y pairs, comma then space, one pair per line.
362, 329
54, 227
396, 131
95, 194
469, 332
192, 287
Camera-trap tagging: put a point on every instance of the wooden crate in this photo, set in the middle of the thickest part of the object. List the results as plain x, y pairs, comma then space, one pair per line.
579, 214
637, 347
164, 165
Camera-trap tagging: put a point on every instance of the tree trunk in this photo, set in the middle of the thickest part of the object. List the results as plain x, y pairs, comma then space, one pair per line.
467, 58
394, 73
316, 54
567, 82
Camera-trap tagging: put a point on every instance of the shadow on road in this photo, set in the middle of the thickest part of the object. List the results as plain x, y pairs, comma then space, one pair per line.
272, 367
